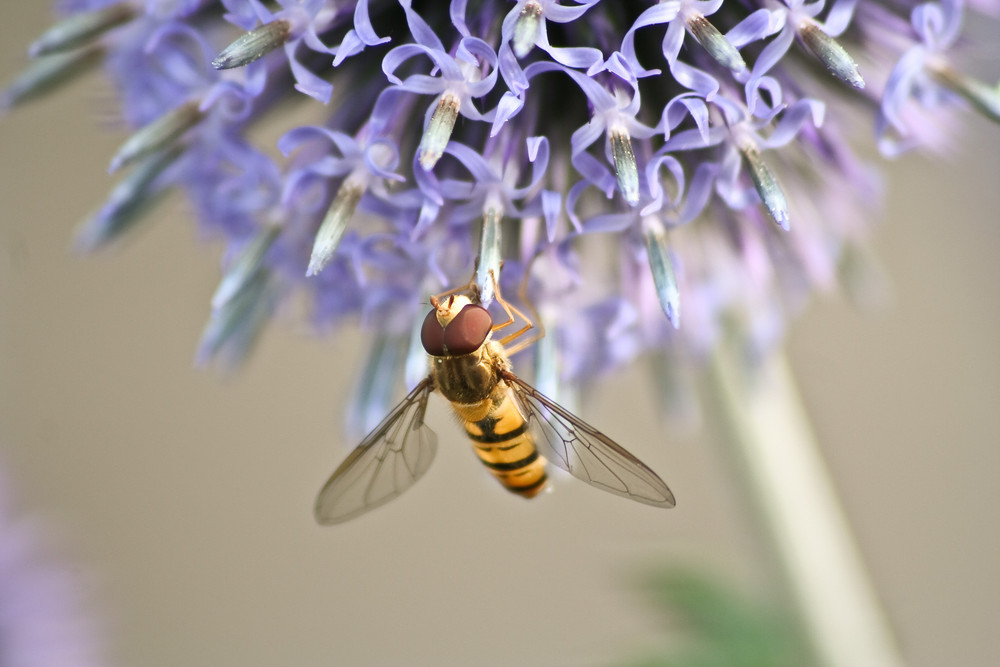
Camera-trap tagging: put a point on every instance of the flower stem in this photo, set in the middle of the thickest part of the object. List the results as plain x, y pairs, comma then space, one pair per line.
772, 444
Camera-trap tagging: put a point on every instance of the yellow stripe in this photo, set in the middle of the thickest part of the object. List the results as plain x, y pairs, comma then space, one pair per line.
499, 453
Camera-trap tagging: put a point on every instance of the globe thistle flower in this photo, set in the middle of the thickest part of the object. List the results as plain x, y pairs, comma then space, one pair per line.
699, 143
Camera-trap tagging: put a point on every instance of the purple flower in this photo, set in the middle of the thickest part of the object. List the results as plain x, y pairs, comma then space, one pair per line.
920, 74
525, 27
700, 143
296, 24
468, 74
43, 616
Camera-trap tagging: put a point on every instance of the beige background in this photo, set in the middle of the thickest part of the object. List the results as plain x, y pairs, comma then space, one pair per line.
189, 496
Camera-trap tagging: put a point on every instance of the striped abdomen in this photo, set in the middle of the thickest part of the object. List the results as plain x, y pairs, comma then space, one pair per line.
504, 445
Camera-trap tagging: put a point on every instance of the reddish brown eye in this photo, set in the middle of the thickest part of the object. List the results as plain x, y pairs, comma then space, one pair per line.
432, 334
466, 333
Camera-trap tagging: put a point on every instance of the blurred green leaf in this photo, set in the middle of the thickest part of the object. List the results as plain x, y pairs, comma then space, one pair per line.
712, 625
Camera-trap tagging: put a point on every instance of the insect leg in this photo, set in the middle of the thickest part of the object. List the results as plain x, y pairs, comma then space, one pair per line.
513, 311
503, 304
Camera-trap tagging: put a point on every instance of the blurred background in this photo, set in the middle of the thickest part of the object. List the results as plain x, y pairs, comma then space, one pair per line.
185, 497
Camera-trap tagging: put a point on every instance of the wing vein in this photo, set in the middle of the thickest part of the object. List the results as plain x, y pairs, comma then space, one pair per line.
578, 448
388, 461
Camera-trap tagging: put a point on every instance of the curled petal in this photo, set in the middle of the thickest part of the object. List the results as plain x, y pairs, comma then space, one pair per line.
698, 193
753, 28
663, 12
422, 33
363, 25
839, 17
792, 120
305, 81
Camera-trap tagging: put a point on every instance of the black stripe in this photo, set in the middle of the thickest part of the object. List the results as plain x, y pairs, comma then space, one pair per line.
513, 465
489, 436
496, 447
531, 487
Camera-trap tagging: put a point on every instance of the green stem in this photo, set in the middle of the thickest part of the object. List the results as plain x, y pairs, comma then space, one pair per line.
774, 448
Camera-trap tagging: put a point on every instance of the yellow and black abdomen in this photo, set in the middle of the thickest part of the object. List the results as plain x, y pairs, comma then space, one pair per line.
504, 445
492, 421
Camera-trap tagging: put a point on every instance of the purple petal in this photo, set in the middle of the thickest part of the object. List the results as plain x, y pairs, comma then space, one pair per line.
754, 27
656, 190
383, 164
363, 25
450, 70
694, 139
792, 121
510, 70
611, 222
509, 106
586, 135
673, 40
595, 172
680, 108
702, 83
566, 13
421, 32
839, 17
471, 160
577, 57
305, 81
293, 139
350, 45
755, 101
240, 14
768, 58
456, 11
314, 43
655, 15
898, 88
699, 192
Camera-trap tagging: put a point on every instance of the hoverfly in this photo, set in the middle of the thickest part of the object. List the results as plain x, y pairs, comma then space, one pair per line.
507, 420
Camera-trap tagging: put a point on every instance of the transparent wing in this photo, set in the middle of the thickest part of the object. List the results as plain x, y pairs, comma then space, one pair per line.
583, 451
387, 462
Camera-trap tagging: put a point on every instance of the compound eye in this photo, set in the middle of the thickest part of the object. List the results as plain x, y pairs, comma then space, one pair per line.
466, 333
432, 334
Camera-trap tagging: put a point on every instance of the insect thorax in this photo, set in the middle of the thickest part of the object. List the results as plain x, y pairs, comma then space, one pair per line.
465, 379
